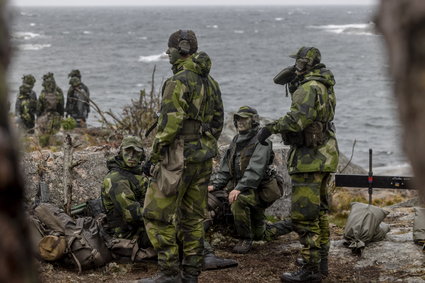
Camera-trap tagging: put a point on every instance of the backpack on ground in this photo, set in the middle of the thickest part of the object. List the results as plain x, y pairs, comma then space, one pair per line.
85, 245
419, 227
364, 226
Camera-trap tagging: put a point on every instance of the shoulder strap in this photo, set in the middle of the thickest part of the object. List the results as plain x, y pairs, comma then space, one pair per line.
128, 175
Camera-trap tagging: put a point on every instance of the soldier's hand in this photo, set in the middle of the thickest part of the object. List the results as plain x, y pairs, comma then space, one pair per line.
210, 188
233, 195
263, 134
147, 168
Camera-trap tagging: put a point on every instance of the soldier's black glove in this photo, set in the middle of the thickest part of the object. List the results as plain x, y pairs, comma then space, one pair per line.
263, 134
147, 168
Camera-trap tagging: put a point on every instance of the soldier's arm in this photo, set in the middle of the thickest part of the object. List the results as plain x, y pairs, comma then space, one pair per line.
172, 114
218, 118
40, 104
223, 175
257, 166
125, 201
302, 112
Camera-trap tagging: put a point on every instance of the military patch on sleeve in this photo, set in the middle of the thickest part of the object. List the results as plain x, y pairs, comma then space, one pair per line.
168, 90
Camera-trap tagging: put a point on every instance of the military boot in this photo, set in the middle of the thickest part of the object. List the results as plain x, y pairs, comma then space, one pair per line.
304, 274
187, 278
323, 267
242, 247
211, 262
300, 262
162, 277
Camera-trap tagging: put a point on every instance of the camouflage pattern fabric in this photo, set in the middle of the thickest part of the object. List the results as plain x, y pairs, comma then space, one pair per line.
26, 106
313, 100
77, 101
309, 214
123, 200
248, 214
191, 95
179, 218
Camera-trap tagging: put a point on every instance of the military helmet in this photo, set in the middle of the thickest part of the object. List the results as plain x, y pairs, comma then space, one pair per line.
312, 54
132, 141
247, 112
74, 81
184, 40
75, 73
28, 80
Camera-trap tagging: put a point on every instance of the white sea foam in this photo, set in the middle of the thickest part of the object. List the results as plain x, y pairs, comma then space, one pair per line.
212, 26
32, 24
278, 19
153, 58
24, 35
87, 32
143, 37
33, 46
358, 29
238, 31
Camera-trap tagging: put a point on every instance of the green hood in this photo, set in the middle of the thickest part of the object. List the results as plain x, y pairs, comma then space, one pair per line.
321, 74
118, 163
199, 63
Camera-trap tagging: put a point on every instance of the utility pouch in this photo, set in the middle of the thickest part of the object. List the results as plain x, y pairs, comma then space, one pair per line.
168, 172
314, 135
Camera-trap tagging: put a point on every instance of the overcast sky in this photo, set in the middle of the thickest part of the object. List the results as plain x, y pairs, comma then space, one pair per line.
186, 2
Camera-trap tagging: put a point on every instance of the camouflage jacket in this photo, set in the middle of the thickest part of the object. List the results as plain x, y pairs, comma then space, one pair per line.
26, 108
190, 95
42, 107
77, 102
244, 163
313, 100
122, 197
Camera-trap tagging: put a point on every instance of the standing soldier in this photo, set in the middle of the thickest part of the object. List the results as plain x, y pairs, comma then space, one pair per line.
313, 155
190, 122
26, 103
50, 106
77, 102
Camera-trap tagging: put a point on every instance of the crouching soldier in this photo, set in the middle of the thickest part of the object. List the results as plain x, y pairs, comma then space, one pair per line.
123, 194
253, 186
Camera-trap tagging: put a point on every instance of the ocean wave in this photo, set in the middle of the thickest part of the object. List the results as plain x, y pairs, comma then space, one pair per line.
239, 31
279, 19
25, 14
357, 29
212, 26
32, 24
24, 35
87, 32
153, 58
33, 46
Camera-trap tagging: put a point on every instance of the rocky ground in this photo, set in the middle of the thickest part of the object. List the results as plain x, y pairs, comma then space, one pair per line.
396, 259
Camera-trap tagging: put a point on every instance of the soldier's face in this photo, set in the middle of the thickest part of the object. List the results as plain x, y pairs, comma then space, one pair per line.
301, 66
173, 55
131, 156
243, 124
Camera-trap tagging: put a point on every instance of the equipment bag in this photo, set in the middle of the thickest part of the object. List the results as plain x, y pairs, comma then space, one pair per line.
84, 242
419, 227
271, 190
364, 226
52, 101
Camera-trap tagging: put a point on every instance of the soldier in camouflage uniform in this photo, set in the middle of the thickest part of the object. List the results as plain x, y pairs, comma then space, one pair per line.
26, 103
77, 102
313, 155
190, 121
246, 164
123, 193
50, 106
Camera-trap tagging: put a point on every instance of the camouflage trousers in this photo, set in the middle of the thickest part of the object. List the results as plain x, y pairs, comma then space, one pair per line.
177, 221
248, 215
309, 215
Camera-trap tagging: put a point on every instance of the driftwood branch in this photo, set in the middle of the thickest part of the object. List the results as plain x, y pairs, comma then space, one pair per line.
68, 151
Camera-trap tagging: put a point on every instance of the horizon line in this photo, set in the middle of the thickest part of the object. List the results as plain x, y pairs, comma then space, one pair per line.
190, 5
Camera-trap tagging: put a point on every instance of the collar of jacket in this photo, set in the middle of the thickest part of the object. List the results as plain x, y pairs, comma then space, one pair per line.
184, 64
247, 136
